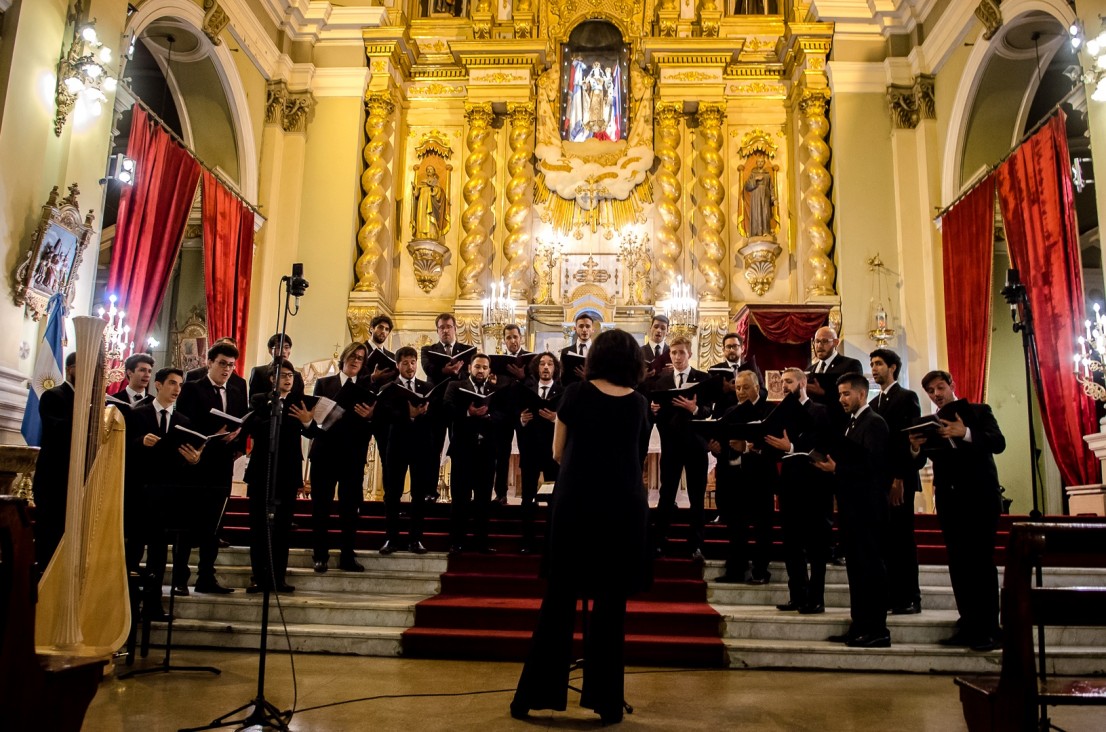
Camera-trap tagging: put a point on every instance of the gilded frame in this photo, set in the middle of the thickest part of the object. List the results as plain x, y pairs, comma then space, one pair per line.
57, 249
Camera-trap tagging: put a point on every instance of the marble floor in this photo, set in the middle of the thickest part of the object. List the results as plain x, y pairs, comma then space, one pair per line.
355, 693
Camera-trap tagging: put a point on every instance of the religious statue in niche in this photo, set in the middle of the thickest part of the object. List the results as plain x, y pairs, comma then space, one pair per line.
758, 220
453, 8
430, 210
430, 214
595, 69
759, 197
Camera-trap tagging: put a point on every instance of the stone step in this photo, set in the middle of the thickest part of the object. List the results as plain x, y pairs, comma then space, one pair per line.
434, 562
899, 658
357, 583
304, 608
836, 595
304, 638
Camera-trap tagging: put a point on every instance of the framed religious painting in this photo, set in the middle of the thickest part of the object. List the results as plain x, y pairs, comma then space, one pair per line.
57, 248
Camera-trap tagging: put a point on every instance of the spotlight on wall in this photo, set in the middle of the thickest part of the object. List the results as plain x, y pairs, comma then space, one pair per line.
81, 69
122, 169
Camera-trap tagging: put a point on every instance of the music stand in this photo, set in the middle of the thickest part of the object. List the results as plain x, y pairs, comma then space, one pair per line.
179, 514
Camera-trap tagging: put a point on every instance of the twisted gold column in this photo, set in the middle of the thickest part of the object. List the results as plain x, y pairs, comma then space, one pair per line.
712, 220
474, 245
374, 235
669, 247
816, 182
520, 198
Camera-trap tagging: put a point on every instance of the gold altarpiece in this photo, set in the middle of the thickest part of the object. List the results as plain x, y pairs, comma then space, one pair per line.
587, 153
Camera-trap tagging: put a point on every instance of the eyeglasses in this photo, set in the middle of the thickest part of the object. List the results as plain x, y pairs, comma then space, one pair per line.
224, 364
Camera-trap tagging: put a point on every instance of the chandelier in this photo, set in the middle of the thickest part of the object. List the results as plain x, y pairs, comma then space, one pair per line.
682, 309
82, 70
117, 343
499, 311
1092, 354
881, 332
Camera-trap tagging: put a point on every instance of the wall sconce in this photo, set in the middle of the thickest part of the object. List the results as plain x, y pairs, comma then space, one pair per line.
1096, 50
881, 331
82, 70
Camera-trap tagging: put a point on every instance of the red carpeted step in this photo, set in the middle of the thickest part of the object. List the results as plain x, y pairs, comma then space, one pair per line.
512, 645
529, 585
513, 613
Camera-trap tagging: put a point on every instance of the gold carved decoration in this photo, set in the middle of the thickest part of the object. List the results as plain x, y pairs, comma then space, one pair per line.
215, 20
477, 191
711, 217
711, 331
815, 182
565, 217
691, 76
519, 193
435, 89
990, 15
710, 19
564, 15
430, 221
756, 88
903, 107
758, 220
668, 18
501, 77
468, 329
359, 318
429, 260
374, 236
57, 248
759, 258
924, 96
291, 110
669, 243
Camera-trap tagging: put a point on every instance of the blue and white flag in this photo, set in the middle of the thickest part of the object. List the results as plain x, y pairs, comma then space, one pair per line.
48, 370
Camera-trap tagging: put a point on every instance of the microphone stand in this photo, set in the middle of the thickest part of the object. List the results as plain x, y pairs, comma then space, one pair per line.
1014, 293
263, 713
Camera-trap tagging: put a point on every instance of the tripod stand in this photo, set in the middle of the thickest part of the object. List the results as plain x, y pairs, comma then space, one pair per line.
1015, 295
263, 713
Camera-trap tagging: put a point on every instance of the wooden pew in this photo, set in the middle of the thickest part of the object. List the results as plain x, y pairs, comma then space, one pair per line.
37, 691
1017, 699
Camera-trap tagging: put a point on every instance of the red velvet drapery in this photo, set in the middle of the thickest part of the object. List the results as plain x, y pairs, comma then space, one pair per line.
228, 263
1038, 211
780, 337
152, 216
968, 243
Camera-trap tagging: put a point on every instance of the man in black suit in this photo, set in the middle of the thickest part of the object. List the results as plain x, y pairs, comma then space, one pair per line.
535, 438
734, 350
831, 363
572, 367
806, 496
969, 501
51, 480
200, 372
745, 478
410, 432
137, 369
376, 377
682, 450
899, 407
655, 346
163, 474
437, 370
512, 343
858, 463
338, 454
473, 427
216, 468
259, 375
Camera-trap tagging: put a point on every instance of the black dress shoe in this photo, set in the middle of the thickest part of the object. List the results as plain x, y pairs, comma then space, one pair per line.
842, 638
156, 614
486, 550
519, 711
911, 609
388, 548
179, 591
224, 544
697, 555
322, 565
729, 579
871, 640
456, 549
812, 609
525, 550
285, 587
959, 638
611, 716
985, 643
762, 579
351, 565
254, 589
431, 498
212, 587
416, 547
789, 606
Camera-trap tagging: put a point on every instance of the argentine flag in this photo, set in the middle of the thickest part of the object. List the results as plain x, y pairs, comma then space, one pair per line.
48, 372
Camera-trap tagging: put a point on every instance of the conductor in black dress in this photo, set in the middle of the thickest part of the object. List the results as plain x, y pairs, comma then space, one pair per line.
597, 533
535, 438
969, 501
899, 407
338, 456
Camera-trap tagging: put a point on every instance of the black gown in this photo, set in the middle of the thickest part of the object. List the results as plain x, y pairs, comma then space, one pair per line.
597, 549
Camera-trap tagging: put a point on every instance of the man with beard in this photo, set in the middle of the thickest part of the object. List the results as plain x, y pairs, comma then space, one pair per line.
858, 464
535, 438
375, 375
900, 409
822, 388
683, 451
474, 420
746, 479
437, 370
806, 495
733, 349
512, 343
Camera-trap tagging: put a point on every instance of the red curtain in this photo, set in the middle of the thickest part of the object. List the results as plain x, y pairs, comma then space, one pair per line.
780, 338
968, 243
228, 263
152, 216
1038, 211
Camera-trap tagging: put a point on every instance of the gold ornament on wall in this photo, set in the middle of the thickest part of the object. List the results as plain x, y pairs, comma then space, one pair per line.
428, 260
815, 182
430, 211
711, 217
758, 220
669, 241
520, 199
57, 248
374, 235
477, 192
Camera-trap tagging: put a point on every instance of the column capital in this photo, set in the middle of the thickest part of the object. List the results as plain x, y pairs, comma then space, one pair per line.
379, 103
293, 111
521, 112
813, 102
711, 113
479, 115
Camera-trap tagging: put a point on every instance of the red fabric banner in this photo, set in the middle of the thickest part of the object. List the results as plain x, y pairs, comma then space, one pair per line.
148, 231
228, 264
968, 243
1038, 211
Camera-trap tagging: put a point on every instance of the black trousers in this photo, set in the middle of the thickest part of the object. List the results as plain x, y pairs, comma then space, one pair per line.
473, 471
806, 515
901, 555
269, 556
536, 460
348, 477
863, 520
503, 462
747, 512
969, 522
678, 458
213, 498
544, 680
401, 459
